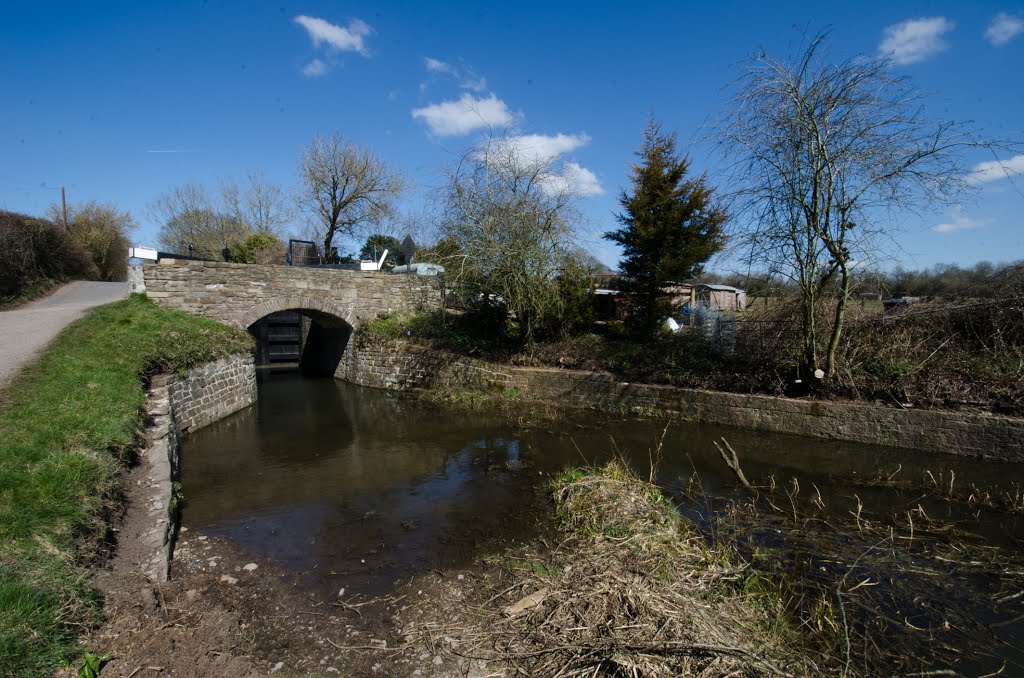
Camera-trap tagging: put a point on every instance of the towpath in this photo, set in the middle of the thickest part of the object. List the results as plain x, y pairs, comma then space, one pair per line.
25, 331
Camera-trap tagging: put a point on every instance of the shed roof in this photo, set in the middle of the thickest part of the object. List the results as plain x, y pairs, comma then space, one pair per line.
720, 288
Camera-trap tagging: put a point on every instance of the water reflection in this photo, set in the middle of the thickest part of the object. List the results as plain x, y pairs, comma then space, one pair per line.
354, 487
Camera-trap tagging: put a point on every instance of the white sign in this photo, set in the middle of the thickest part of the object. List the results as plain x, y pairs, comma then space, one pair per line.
142, 253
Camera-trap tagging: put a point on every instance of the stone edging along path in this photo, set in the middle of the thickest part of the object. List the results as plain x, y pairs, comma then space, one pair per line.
177, 405
400, 365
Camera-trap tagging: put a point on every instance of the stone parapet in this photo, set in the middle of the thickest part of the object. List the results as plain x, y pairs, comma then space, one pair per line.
240, 294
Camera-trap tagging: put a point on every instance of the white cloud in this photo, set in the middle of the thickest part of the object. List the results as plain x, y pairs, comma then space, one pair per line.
345, 38
466, 77
574, 179
915, 40
465, 115
1004, 28
436, 65
960, 222
545, 149
534, 148
994, 170
315, 69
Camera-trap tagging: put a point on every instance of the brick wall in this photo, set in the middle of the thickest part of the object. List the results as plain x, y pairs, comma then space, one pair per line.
397, 365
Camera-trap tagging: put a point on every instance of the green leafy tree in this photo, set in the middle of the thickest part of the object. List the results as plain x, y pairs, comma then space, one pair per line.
671, 225
377, 243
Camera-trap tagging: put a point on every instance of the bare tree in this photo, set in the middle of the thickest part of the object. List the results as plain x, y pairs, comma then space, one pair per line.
824, 155
509, 221
345, 186
192, 222
258, 204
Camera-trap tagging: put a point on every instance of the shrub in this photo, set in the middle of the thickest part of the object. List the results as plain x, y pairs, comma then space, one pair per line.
103, 233
36, 253
258, 248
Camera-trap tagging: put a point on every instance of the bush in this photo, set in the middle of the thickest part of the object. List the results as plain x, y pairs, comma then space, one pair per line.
258, 248
573, 313
35, 254
103, 233
941, 354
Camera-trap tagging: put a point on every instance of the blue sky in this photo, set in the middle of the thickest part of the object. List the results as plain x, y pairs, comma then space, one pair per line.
120, 101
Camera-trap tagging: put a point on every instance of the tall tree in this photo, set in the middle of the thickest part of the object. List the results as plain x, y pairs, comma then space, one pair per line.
261, 206
345, 187
671, 225
103, 231
824, 154
507, 228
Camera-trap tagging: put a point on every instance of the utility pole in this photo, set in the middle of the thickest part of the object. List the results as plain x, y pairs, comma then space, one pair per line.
64, 206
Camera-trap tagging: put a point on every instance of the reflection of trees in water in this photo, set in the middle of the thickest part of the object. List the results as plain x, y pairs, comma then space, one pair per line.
315, 441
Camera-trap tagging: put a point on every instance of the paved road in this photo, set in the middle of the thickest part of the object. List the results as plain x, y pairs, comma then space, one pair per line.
24, 332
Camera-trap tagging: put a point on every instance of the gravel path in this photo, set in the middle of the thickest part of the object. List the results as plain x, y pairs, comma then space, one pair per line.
25, 331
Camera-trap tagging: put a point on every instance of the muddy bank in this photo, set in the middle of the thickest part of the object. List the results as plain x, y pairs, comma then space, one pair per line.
583, 600
258, 598
621, 584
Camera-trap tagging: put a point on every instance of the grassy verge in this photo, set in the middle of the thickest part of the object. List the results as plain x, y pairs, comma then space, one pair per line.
67, 424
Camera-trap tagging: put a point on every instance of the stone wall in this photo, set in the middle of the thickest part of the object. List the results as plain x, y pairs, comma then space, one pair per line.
176, 405
240, 294
401, 366
397, 365
212, 391
136, 279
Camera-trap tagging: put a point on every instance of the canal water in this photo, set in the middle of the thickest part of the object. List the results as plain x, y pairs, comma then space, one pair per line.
359, 488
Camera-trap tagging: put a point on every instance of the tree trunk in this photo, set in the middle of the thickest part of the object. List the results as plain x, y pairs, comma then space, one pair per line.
837, 322
809, 361
327, 247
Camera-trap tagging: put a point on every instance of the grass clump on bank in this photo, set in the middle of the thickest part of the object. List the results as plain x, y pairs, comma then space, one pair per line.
67, 425
630, 590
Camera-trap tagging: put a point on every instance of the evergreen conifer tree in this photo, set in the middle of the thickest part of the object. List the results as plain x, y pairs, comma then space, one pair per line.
671, 225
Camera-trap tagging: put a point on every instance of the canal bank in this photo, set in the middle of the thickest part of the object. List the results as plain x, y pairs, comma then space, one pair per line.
403, 366
70, 427
330, 526
363, 511
240, 619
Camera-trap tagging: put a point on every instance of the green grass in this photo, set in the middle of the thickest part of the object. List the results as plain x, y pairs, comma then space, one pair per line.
67, 424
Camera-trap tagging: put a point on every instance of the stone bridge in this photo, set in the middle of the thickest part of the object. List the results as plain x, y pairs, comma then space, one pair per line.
337, 302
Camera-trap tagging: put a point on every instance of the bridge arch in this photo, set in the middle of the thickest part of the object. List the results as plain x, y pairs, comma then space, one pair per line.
320, 343
313, 306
